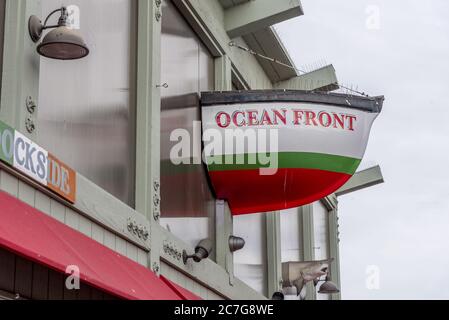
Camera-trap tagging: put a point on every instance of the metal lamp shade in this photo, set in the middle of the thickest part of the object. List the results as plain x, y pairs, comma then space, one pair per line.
63, 43
328, 288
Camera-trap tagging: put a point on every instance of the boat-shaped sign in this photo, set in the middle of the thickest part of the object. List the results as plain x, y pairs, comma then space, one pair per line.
274, 150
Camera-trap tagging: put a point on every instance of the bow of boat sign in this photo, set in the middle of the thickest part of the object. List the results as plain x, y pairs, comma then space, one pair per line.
274, 150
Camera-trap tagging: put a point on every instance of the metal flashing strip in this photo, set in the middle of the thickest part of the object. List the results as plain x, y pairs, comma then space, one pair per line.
373, 105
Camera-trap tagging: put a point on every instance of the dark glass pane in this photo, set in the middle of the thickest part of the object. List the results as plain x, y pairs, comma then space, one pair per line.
187, 67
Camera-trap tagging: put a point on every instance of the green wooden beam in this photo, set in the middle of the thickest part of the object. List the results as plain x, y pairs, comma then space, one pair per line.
20, 78
148, 122
223, 74
308, 244
323, 79
362, 180
334, 250
223, 230
274, 267
258, 14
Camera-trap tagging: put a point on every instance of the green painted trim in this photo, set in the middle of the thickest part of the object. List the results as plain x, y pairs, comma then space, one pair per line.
308, 243
274, 267
253, 16
223, 74
21, 63
148, 119
286, 160
334, 251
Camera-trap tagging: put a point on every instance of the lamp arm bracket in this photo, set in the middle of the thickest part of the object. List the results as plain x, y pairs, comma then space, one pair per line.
50, 15
50, 27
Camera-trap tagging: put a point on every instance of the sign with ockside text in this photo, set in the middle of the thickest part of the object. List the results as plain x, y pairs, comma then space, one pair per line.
25, 156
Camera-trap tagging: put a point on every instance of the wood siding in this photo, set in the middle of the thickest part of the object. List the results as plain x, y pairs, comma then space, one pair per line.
24, 279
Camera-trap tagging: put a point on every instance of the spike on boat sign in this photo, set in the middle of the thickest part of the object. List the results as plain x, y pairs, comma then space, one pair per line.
274, 150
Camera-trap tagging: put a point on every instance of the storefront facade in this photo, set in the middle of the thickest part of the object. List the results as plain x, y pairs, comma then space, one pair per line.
109, 117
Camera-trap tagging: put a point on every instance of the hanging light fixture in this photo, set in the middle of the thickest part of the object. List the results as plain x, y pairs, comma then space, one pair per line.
328, 287
62, 43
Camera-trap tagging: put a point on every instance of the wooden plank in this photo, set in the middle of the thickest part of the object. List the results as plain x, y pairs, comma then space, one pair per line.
85, 292
23, 277
9, 183
142, 257
361, 180
40, 282
55, 285
131, 251
97, 233
57, 210
323, 79
106, 210
109, 240
70, 295
20, 76
273, 221
7, 270
257, 15
96, 294
42, 202
26, 193
72, 219
85, 226
120, 246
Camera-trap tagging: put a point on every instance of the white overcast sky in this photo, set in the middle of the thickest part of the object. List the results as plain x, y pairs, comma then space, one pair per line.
401, 226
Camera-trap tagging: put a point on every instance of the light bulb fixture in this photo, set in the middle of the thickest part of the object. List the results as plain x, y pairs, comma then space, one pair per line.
236, 243
62, 43
202, 251
278, 296
328, 287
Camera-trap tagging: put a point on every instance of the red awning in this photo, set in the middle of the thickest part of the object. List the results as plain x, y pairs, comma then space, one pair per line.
44, 240
185, 294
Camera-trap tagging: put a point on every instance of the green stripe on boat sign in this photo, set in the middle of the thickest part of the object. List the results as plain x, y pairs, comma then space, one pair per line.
285, 160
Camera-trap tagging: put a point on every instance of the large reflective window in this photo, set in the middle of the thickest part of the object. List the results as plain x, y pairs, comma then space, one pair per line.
86, 107
321, 237
188, 203
250, 263
291, 236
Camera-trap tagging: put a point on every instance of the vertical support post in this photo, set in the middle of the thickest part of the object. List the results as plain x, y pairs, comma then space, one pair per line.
308, 243
223, 74
20, 78
223, 230
334, 250
148, 119
274, 252
223, 219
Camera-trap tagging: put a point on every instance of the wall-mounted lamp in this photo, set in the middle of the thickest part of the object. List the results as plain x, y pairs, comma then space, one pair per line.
62, 43
202, 251
236, 243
